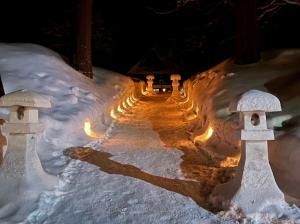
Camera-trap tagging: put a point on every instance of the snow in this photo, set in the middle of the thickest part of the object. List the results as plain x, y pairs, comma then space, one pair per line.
140, 178
83, 193
210, 94
74, 98
144, 167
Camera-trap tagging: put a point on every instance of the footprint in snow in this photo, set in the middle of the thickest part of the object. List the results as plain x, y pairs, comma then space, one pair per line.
71, 98
41, 74
75, 90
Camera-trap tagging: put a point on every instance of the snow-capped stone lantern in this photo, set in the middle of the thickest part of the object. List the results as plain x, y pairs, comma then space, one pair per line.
21, 161
254, 186
175, 84
150, 79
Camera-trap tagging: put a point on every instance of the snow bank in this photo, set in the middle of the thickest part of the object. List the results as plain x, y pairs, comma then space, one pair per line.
74, 97
208, 95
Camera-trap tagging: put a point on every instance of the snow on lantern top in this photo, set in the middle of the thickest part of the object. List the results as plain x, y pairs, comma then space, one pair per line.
150, 77
25, 98
255, 100
175, 77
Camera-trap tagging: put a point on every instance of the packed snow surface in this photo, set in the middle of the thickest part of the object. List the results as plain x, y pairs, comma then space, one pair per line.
160, 159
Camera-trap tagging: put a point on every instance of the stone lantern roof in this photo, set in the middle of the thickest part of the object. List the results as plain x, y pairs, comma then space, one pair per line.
25, 98
175, 77
255, 100
150, 77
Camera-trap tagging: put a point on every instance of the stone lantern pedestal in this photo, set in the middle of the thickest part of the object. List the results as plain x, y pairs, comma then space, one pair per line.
21, 162
254, 186
175, 85
150, 79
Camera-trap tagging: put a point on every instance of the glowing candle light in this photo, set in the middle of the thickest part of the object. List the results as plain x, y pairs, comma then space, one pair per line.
112, 114
133, 98
129, 102
88, 130
205, 136
120, 109
124, 104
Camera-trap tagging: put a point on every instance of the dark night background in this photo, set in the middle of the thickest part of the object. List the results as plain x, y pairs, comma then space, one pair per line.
191, 39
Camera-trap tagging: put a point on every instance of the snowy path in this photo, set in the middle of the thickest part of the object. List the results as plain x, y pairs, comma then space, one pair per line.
147, 171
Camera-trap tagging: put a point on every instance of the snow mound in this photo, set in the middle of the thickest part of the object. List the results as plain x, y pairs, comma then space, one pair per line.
208, 96
74, 98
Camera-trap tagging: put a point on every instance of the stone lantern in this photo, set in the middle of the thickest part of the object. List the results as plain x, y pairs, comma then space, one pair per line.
175, 85
254, 186
21, 162
150, 79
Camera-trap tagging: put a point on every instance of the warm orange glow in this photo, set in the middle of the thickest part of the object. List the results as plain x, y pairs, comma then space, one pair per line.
112, 114
124, 104
230, 161
144, 92
88, 130
197, 110
133, 98
185, 101
129, 102
191, 107
120, 109
205, 136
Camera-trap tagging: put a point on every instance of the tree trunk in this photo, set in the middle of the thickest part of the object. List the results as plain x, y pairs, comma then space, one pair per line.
2, 93
247, 35
82, 57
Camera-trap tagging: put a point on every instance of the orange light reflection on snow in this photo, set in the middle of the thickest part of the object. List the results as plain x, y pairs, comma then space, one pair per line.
230, 161
197, 109
186, 100
112, 114
124, 104
205, 136
133, 98
88, 130
144, 92
120, 109
129, 102
191, 107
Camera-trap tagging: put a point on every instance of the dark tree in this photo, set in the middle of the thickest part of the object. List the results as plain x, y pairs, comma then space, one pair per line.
2, 93
247, 34
82, 57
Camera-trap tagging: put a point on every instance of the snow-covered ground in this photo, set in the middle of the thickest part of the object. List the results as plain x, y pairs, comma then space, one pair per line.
74, 99
144, 167
210, 94
134, 176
